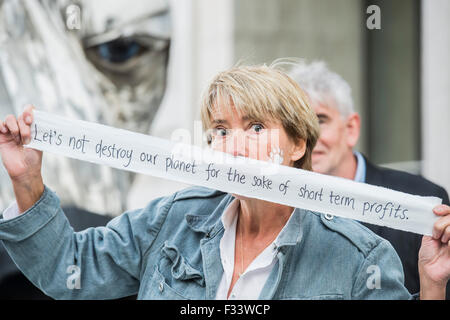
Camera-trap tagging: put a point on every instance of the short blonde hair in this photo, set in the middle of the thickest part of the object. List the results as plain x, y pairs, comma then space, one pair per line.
264, 92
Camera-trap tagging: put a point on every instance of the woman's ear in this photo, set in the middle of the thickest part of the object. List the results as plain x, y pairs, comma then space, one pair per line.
298, 150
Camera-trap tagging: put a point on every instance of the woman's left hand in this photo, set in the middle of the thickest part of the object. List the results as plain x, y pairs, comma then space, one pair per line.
434, 256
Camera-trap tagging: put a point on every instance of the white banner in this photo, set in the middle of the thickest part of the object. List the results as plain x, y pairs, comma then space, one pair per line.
140, 153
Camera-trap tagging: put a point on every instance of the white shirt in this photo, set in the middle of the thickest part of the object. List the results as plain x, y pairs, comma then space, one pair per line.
251, 283
11, 212
360, 175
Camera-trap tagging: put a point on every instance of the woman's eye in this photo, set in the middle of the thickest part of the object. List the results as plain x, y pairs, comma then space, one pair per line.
220, 132
257, 127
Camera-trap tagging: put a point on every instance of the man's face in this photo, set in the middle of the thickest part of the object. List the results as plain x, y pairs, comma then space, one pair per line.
333, 146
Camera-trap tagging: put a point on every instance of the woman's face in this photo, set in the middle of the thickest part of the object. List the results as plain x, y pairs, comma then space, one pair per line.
237, 134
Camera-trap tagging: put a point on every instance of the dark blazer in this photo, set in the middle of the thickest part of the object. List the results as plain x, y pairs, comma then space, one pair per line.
406, 244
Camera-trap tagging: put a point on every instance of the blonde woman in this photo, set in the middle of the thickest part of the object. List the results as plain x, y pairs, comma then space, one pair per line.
205, 244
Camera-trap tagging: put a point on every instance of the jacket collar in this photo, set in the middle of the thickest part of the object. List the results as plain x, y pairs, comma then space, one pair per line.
373, 174
292, 233
211, 224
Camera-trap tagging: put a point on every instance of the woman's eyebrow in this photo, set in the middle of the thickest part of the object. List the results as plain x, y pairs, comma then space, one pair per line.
220, 121
243, 119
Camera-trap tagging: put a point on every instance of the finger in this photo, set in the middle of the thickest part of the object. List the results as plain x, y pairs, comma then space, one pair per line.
440, 225
25, 131
11, 124
441, 210
446, 235
3, 128
28, 114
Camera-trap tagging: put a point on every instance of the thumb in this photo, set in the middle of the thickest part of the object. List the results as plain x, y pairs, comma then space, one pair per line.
427, 240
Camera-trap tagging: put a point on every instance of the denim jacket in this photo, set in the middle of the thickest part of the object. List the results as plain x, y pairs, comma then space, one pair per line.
170, 250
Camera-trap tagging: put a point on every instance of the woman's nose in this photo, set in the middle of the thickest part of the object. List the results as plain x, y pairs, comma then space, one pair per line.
239, 144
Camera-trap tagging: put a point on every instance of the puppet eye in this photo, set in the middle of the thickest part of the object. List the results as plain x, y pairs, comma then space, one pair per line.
124, 54
120, 50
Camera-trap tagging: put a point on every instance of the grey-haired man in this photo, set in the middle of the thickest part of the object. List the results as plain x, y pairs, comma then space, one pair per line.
334, 154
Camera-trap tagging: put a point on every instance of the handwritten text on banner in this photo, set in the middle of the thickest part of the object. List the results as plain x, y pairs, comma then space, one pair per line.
140, 153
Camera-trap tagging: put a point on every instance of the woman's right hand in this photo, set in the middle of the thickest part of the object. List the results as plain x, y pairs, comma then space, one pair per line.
22, 164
